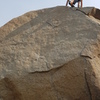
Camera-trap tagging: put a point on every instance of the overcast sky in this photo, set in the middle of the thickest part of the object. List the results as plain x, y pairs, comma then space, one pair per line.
10, 9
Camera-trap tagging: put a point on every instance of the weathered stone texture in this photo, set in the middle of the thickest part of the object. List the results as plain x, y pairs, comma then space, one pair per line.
51, 54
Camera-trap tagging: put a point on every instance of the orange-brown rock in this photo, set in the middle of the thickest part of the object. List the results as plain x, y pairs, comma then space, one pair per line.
51, 54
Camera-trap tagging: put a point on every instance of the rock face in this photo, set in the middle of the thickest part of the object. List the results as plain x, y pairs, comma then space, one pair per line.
51, 54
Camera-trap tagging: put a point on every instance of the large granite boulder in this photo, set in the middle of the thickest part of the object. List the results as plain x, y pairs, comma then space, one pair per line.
51, 54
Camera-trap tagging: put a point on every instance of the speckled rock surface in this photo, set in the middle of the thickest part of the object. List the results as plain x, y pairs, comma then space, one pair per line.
51, 54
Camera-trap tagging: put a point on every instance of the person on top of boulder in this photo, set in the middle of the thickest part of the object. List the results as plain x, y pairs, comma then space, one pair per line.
73, 2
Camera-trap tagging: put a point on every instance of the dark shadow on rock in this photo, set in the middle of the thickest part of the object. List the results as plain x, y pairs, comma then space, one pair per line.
95, 13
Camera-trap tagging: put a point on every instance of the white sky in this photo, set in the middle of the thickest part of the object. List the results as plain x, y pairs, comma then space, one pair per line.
10, 9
